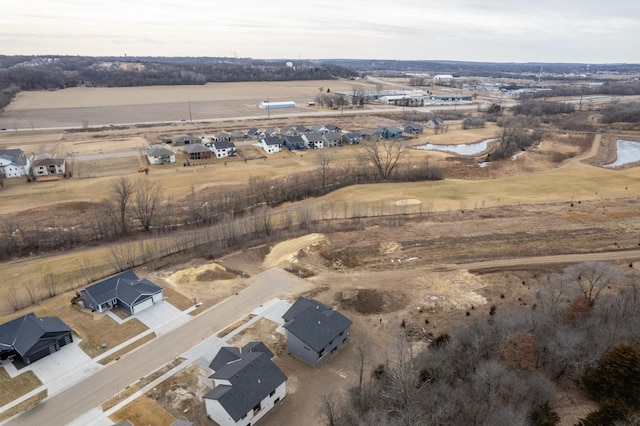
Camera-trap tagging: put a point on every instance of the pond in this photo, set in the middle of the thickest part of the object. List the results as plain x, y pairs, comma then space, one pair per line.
628, 152
462, 149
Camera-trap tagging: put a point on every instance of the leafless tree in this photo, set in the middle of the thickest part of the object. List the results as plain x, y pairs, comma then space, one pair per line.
32, 291
122, 190
11, 295
50, 284
402, 377
324, 158
384, 155
146, 202
593, 277
552, 294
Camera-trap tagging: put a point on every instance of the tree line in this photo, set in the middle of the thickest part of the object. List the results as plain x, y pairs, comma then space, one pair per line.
504, 368
36, 73
138, 205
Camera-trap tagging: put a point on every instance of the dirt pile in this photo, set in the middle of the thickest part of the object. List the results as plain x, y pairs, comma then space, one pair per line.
287, 251
208, 272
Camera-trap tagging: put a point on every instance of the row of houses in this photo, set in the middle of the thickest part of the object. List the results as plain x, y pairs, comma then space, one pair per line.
248, 384
14, 163
246, 381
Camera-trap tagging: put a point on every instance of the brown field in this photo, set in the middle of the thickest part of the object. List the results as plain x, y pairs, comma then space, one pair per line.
141, 411
12, 388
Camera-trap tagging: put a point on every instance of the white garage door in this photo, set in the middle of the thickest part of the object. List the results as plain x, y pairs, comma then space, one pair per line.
143, 305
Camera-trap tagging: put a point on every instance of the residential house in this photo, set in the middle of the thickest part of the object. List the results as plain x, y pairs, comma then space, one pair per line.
270, 132
434, 123
314, 331
125, 290
352, 138
185, 140
294, 143
333, 128
390, 132
237, 135
412, 128
302, 129
13, 163
197, 152
370, 135
46, 165
220, 137
271, 144
317, 128
223, 149
288, 131
28, 338
159, 154
314, 140
333, 138
247, 385
254, 133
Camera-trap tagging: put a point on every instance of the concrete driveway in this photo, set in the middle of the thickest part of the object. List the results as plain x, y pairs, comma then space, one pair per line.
162, 317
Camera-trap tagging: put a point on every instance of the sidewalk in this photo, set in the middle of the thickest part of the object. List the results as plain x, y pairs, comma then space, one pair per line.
200, 355
68, 378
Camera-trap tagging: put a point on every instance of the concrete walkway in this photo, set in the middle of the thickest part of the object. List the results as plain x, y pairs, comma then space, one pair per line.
71, 365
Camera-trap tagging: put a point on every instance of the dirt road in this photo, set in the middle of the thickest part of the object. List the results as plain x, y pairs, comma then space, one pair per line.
93, 391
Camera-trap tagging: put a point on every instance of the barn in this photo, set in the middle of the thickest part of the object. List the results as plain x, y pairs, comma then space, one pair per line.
276, 105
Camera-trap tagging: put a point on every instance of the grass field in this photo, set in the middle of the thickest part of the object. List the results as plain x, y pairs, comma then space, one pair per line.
12, 388
143, 411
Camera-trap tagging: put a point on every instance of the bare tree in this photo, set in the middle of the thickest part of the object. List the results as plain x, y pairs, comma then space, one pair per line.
32, 291
593, 277
122, 190
402, 384
11, 295
552, 294
147, 199
384, 155
324, 158
50, 284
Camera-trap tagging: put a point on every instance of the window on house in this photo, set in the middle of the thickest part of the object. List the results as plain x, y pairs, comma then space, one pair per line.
245, 416
276, 401
257, 409
273, 392
321, 354
334, 349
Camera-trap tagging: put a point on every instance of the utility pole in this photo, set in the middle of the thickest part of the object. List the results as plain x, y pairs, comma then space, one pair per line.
190, 118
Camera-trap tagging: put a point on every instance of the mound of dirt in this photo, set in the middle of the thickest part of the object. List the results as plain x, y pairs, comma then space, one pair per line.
389, 247
449, 291
208, 272
368, 301
286, 251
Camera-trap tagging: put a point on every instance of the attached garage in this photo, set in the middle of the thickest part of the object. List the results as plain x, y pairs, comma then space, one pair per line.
142, 305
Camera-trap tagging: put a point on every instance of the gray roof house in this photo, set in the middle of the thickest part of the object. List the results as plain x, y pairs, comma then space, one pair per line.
271, 144
314, 331
352, 138
28, 338
413, 128
294, 143
185, 140
315, 140
159, 154
370, 135
125, 290
333, 138
46, 165
223, 149
13, 163
247, 385
435, 123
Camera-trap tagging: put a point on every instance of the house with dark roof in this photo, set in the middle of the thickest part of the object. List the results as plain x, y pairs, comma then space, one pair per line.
333, 128
247, 385
333, 138
237, 135
435, 123
13, 163
315, 140
197, 152
352, 138
223, 149
125, 290
29, 338
370, 135
271, 144
254, 133
390, 132
294, 143
413, 128
159, 154
185, 140
221, 137
314, 331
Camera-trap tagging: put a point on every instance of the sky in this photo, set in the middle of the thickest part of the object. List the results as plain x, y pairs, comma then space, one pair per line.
585, 31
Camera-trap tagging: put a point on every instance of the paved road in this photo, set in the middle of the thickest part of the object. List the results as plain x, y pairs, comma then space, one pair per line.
99, 387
